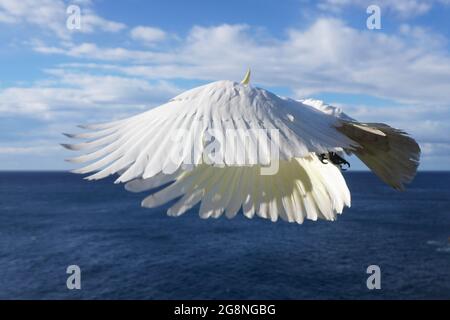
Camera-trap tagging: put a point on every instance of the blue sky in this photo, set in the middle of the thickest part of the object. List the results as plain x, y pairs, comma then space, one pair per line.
129, 56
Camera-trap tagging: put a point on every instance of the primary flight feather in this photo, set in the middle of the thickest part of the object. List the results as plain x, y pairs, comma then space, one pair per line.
230, 146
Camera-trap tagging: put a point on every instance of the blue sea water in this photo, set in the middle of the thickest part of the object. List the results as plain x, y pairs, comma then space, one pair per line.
51, 220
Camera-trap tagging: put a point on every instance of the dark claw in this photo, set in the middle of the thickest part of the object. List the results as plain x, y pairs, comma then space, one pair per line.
344, 162
322, 158
335, 159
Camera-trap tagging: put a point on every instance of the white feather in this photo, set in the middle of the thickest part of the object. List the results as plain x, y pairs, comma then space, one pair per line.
304, 188
166, 147
142, 143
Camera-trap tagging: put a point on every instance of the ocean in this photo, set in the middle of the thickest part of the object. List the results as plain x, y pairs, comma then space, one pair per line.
50, 220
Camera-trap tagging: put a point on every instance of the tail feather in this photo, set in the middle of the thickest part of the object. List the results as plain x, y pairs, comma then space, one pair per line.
303, 188
390, 153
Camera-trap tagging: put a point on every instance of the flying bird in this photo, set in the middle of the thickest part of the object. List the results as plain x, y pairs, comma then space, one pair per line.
231, 146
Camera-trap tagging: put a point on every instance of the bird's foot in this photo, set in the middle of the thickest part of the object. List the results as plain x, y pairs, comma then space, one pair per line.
323, 157
335, 159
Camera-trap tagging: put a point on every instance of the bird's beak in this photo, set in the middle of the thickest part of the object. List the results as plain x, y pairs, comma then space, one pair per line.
246, 79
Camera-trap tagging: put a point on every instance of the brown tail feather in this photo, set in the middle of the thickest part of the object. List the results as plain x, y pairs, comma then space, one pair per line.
390, 153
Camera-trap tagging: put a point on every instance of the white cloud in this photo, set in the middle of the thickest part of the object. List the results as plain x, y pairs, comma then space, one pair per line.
148, 35
327, 56
90, 22
31, 150
51, 15
435, 149
92, 51
5, 18
402, 8
72, 92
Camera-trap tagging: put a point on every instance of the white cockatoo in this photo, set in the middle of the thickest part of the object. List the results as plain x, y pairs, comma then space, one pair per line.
228, 145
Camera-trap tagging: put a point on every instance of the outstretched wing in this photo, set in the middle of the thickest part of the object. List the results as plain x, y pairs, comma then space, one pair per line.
303, 188
175, 134
390, 153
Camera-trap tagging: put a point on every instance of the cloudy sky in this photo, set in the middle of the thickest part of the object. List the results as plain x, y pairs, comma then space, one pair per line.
132, 55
